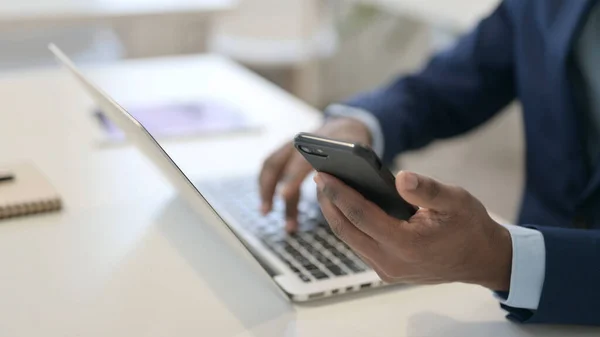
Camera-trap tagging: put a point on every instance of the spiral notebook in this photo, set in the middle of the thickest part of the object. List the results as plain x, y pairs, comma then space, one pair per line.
28, 192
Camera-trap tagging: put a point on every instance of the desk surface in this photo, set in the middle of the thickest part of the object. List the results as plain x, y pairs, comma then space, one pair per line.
127, 257
457, 15
68, 10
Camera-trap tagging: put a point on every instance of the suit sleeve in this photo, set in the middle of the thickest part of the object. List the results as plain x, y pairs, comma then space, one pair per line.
458, 90
571, 290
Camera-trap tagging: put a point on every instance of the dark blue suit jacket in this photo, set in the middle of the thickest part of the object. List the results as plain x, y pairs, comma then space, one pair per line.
523, 50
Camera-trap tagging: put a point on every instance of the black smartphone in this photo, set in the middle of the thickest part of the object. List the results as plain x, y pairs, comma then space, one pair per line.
358, 167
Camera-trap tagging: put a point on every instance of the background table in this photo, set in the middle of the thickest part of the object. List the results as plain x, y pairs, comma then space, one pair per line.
127, 257
456, 15
89, 10
144, 27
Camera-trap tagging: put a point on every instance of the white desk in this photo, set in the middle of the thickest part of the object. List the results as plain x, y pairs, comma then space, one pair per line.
126, 257
456, 15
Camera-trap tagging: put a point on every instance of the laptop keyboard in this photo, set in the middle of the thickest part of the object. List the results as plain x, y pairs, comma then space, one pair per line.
313, 253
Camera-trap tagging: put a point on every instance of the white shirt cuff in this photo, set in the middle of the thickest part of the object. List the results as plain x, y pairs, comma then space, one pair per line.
528, 268
365, 117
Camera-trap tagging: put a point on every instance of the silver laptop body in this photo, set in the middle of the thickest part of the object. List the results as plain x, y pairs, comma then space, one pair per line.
308, 265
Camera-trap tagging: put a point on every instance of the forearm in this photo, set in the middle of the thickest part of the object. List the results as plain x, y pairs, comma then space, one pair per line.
457, 91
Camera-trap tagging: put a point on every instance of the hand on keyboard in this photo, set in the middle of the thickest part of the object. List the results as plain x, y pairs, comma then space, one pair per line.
314, 253
288, 167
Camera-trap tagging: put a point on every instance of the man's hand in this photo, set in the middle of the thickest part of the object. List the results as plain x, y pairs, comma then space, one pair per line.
450, 239
288, 167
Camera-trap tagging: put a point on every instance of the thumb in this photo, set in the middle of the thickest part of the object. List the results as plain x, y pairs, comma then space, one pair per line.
426, 192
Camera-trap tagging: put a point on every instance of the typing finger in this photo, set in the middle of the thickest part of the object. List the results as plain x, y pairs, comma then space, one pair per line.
294, 173
271, 173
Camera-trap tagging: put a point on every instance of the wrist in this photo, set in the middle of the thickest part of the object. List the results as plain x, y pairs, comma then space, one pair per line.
493, 268
354, 127
499, 265
366, 118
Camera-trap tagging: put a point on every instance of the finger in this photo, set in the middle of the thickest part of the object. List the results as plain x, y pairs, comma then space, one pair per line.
293, 175
345, 231
362, 213
270, 175
291, 199
428, 193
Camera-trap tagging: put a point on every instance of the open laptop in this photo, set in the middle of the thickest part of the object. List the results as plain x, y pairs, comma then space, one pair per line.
308, 265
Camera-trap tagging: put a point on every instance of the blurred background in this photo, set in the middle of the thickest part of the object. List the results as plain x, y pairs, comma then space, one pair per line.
321, 51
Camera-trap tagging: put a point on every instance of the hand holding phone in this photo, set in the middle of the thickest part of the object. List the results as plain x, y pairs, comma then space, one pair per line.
358, 167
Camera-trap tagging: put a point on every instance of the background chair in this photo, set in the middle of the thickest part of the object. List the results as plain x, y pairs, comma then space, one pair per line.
273, 34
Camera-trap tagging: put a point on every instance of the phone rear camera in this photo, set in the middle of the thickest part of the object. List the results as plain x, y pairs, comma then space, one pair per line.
305, 149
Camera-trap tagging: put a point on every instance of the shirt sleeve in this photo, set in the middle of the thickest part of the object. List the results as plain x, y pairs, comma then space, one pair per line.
363, 116
528, 268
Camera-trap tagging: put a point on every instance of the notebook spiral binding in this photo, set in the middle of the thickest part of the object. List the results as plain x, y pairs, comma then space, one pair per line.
40, 206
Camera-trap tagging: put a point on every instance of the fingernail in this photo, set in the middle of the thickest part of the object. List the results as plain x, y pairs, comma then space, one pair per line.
319, 180
410, 180
290, 226
264, 209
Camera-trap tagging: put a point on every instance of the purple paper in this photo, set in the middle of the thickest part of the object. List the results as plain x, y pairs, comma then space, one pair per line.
182, 119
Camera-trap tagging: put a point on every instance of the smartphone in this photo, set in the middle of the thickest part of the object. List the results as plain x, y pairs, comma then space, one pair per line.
358, 167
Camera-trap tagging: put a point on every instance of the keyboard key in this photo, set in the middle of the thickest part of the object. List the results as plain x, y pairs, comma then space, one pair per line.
360, 262
302, 241
304, 277
304, 262
290, 249
336, 270
353, 266
271, 242
320, 240
339, 255
319, 275
323, 259
342, 246
311, 267
273, 236
312, 250
346, 260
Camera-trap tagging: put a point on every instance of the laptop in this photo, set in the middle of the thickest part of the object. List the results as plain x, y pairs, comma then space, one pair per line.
308, 265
